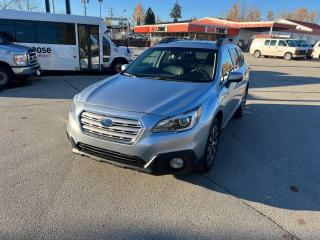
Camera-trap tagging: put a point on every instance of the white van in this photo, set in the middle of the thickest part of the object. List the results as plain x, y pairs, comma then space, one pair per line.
316, 50
65, 42
277, 47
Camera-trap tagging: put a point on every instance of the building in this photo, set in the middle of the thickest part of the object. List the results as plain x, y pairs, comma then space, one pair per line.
240, 33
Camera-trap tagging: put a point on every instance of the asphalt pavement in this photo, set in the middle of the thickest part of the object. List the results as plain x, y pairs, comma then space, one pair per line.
264, 185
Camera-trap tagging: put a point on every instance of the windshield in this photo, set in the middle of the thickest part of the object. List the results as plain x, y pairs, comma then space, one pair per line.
303, 43
177, 64
292, 43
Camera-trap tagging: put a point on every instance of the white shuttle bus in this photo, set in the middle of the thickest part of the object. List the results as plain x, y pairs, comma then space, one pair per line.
64, 42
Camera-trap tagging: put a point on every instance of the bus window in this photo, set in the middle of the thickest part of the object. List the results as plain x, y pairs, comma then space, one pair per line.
55, 33
6, 29
25, 32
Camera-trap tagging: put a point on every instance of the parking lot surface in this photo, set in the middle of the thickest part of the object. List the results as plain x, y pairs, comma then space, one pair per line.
265, 182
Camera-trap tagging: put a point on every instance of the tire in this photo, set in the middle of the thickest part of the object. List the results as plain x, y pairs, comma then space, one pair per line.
205, 164
257, 54
287, 56
239, 113
6, 77
116, 65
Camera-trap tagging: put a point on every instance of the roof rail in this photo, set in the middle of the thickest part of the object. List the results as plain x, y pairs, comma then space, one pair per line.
220, 41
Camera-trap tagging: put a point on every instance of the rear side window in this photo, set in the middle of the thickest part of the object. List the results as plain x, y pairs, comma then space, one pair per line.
273, 43
7, 29
227, 65
240, 57
235, 57
282, 43
267, 43
55, 33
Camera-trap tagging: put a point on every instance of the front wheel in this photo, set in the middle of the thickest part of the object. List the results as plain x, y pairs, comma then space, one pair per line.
206, 163
288, 56
257, 54
6, 77
116, 66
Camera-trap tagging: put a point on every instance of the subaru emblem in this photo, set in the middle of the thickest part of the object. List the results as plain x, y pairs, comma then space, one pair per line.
106, 122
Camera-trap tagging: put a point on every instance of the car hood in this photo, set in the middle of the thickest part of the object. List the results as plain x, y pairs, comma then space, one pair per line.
151, 96
13, 47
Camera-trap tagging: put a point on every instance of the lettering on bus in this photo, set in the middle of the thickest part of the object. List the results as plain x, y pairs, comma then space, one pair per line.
43, 51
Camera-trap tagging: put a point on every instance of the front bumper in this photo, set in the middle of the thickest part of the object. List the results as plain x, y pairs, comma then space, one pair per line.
150, 153
299, 55
28, 71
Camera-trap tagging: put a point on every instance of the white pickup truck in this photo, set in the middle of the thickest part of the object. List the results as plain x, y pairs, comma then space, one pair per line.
16, 61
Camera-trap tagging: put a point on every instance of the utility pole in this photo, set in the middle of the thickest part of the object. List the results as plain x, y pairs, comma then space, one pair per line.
111, 12
68, 8
47, 2
53, 9
100, 2
85, 2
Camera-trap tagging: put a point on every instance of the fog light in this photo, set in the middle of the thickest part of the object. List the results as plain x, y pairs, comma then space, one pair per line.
176, 163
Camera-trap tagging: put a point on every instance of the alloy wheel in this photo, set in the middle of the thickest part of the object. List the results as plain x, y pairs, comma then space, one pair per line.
212, 145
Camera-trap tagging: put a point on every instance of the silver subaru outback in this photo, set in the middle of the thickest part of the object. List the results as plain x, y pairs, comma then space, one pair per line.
163, 114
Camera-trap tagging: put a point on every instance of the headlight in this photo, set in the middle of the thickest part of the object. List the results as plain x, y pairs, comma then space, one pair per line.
180, 122
21, 60
74, 103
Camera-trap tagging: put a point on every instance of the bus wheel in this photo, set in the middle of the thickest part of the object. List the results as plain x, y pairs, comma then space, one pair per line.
6, 76
116, 66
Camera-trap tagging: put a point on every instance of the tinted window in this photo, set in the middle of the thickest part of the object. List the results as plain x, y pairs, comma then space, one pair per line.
236, 57
282, 43
46, 32
25, 32
266, 43
292, 43
273, 43
227, 64
7, 28
55, 33
66, 33
241, 57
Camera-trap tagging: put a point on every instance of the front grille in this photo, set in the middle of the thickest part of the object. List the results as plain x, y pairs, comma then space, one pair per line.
123, 130
111, 155
32, 57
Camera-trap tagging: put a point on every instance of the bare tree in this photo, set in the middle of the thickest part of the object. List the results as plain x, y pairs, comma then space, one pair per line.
301, 14
138, 14
313, 16
27, 5
234, 13
5, 4
253, 15
270, 15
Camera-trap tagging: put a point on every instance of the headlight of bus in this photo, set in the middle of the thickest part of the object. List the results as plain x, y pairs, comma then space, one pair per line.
180, 122
21, 59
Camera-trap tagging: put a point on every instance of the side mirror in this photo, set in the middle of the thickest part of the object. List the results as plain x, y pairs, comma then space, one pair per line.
235, 77
124, 67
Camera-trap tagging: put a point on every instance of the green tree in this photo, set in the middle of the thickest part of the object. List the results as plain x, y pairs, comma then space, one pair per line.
149, 17
176, 12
